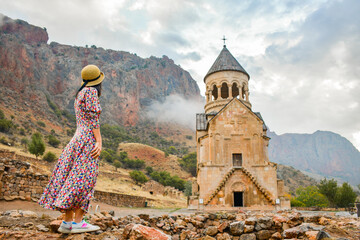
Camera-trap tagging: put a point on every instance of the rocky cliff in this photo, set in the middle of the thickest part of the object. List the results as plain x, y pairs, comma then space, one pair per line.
322, 153
31, 69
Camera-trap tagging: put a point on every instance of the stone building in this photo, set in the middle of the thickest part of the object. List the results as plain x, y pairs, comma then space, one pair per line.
233, 168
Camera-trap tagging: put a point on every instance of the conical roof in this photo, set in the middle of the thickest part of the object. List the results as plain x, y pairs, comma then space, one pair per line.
226, 62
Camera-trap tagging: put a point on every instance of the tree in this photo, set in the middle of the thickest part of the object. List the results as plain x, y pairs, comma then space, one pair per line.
188, 188
37, 145
188, 162
311, 197
53, 141
345, 196
49, 157
138, 176
149, 170
117, 164
329, 189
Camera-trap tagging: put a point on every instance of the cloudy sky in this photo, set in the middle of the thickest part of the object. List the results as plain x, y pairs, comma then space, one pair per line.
303, 56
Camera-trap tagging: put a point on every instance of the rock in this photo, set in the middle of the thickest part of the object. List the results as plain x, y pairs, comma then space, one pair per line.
112, 213
263, 223
138, 231
322, 235
248, 228
42, 228
208, 238
54, 225
263, 234
99, 215
211, 231
223, 226
250, 221
200, 218
15, 214
324, 221
223, 236
249, 236
28, 224
276, 235
311, 235
237, 228
145, 217
29, 214
291, 232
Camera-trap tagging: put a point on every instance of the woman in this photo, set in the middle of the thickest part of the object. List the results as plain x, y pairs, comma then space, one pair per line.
72, 183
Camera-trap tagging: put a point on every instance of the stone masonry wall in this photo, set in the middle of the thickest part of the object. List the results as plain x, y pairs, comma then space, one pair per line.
19, 181
119, 200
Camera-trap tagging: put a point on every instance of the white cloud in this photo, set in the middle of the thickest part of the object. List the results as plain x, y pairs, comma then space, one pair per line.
303, 56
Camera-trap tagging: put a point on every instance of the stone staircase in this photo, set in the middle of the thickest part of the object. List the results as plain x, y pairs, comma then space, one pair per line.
253, 179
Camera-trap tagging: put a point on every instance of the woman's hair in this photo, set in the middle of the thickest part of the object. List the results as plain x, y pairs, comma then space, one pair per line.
98, 87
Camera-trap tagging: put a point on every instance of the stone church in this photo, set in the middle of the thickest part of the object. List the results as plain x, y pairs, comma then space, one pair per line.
233, 167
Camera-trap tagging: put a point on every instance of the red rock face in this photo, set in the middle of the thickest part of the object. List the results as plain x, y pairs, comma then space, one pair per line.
32, 69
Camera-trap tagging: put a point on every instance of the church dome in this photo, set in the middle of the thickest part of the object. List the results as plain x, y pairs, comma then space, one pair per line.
226, 62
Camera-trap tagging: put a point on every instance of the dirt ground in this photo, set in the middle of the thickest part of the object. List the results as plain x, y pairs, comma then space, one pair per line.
119, 212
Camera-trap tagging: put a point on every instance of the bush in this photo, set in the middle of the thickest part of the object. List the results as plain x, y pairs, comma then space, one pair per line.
311, 197
5, 125
166, 179
149, 170
37, 145
2, 115
138, 176
117, 164
49, 157
22, 131
53, 141
188, 188
188, 163
345, 196
296, 203
133, 164
188, 137
70, 132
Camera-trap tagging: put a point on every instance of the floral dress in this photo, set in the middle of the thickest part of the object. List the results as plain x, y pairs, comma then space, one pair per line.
73, 180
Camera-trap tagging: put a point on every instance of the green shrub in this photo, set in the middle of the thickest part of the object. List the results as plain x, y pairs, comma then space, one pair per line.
4, 141
117, 164
70, 132
345, 196
138, 176
49, 157
188, 163
133, 164
188, 137
296, 203
5, 125
166, 179
53, 141
149, 170
311, 197
22, 131
37, 145
2, 115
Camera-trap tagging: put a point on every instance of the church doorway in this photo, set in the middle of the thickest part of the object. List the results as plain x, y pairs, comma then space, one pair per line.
238, 199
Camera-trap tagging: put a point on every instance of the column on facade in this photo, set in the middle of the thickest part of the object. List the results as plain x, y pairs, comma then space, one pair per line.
219, 91
230, 91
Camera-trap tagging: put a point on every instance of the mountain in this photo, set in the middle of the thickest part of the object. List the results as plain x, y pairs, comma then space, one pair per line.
322, 153
36, 75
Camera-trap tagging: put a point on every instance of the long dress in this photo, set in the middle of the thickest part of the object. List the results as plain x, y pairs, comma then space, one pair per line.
74, 177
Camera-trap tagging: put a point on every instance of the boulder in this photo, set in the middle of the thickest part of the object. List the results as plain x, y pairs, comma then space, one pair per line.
138, 231
322, 235
263, 234
54, 225
211, 231
276, 235
237, 228
223, 236
29, 214
250, 236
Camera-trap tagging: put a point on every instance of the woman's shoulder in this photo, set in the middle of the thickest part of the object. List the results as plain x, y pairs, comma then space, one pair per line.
89, 91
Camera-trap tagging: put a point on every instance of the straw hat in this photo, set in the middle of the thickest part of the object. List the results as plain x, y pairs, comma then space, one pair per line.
91, 75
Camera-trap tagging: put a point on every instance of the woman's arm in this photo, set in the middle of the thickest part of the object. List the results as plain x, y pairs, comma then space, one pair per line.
98, 145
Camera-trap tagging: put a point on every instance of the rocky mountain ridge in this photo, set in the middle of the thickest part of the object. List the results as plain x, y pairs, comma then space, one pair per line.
321, 153
32, 71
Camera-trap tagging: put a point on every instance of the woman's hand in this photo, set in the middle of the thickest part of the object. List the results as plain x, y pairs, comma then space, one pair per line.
96, 150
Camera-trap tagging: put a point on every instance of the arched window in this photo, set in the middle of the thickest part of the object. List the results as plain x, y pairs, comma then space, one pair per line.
224, 91
235, 90
215, 93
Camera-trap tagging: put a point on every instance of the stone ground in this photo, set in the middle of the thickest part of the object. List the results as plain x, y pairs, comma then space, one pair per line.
27, 220
119, 211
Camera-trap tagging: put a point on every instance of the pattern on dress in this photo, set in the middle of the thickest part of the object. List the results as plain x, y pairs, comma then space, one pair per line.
73, 180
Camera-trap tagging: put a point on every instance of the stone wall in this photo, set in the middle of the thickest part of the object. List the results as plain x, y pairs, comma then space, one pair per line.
119, 200
18, 180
